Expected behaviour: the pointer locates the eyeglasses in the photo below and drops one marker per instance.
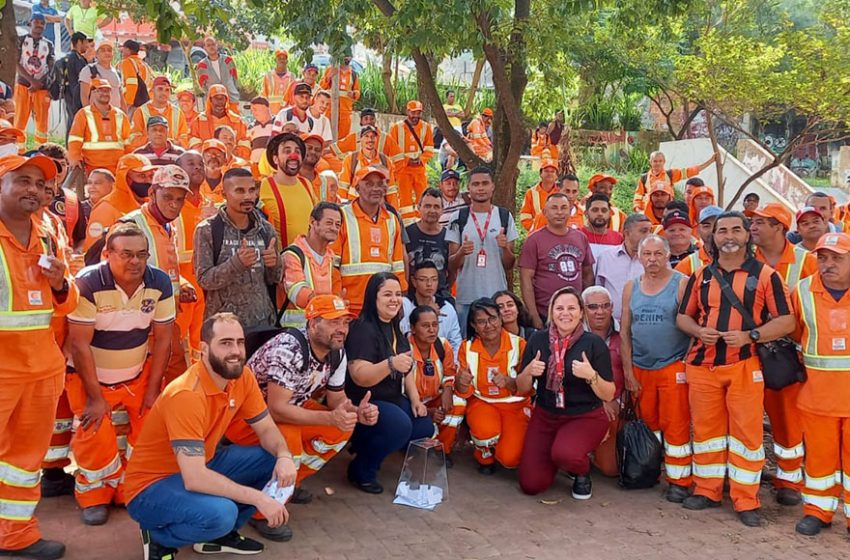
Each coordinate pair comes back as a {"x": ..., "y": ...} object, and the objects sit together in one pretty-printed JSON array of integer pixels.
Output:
[
  {"x": 487, "y": 321},
  {"x": 595, "y": 306},
  {"x": 429, "y": 368},
  {"x": 130, "y": 255}
]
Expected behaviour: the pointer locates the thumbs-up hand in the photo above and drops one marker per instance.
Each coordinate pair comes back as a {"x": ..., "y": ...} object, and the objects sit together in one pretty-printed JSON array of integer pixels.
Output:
[
  {"x": 464, "y": 379},
  {"x": 535, "y": 367},
  {"x": 468, "y": 246},
  {"x": 582, "y": 368},
  {"x": 502, "y": 239},
  {"x": 367, "y": 413},
  {"x": 246, "y": 255},
  {"x": 344, "y": 416},
  {"x": 270, "y": 255}
]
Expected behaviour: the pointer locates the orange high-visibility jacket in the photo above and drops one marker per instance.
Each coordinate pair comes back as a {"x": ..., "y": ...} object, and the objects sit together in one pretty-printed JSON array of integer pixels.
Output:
[
  {"x": 204, "y": 126},
  {"x": 349, "y": 82},
  {"x": 133, "y": 69},
  {"x": 302, "y": 282},
  {"x": 473, "y": 356},
  {"x": 408, "y": 146},
  {"x": 178, "y": 129},
  {"x": 669, "y": 177},
  {"x": 117, "y": 203},
  {"x": 99, "y": 140},
  {"x": 476, "y": 136},
  {"x": 275, "y": 87},
  {"x": 795, "y": 264},
  {"x": 387, "y": 145},
  {"x": 532, "y": 204},
  {"x": 162, "y": 244},
  {"x": 359, "y": 160}
]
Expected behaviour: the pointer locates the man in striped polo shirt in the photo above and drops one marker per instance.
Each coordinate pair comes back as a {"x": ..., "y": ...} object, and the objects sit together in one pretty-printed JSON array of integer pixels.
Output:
[{"x": 122, "y": 300}]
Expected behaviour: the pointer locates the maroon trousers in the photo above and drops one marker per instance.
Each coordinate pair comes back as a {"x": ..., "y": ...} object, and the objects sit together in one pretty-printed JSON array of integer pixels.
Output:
[{"x": 555, "y": 443}]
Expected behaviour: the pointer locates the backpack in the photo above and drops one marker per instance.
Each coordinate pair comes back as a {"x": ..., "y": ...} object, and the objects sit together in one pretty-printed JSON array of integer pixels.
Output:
[
  {"x": 59, "y": 80},
  {"x": 645, "y": 176},
  {"x": 441, "y": 350},
  {"x": 256, "y": 338},
  {"x": 95, "y": 73},
  {"x": 142, "y": 94},
  {"x": 463, "y": 218}
]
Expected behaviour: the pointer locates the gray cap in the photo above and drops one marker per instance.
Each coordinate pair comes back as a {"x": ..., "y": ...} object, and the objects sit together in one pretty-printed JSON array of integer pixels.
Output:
[{"x": 709, "y": 212}]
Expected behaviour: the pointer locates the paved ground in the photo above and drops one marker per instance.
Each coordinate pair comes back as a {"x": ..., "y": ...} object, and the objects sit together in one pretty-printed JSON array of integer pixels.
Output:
[{"x": 487, "y": 517}]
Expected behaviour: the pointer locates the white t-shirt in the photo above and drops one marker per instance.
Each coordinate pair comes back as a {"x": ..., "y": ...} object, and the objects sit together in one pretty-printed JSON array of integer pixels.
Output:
[{"x": 110, "y": 76}]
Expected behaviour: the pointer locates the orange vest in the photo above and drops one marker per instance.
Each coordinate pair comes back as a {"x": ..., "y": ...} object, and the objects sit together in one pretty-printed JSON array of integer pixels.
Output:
[
  {"x": 445, "y": 370},
  {"x": 532, "y": 204},
  {"x": 409, "y": 148},
  {"x": 348, "y": 82},
  {"x": 795, "y": 264},
  {"x": 162, "y": 243},
  {"x": 204, "y": 128},
  {"x": 473, "y": 356},
  {"x": 303, "y": 281},
  {"x": 99, "y": 141},
  {"x": 275, "y": 88},
  {"x": 358, "y": 160},
  {"x": 178, "y": 129},
  {"x": 476, "y": 134}
]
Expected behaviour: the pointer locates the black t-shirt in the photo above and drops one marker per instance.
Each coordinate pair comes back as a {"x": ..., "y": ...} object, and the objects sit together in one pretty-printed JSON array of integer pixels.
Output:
[
  {"x": 579, "y": 397},
  {"x": 374, "y": 343},
  {"x": 434, "y": 248}
]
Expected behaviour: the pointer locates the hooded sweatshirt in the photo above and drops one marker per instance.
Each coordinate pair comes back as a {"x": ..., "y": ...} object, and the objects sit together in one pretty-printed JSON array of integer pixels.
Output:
[
  {"x": 117, "y": 203},
  {"x": 203, "y": 128},
  {"x": 692, "y": 210},
  {"x": 228, "y": 285}
]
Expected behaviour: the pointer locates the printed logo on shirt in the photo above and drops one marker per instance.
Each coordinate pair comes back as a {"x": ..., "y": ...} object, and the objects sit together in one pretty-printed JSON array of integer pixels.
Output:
[
  {"x": 148, "y": 305},
  {"x": 681, "y": 378},
  {"x": 34, "y": 297},
  {"x": 757, "y": 376},
  {"x": 839, "y": 344},
  {"x": 567, "y": 263}
]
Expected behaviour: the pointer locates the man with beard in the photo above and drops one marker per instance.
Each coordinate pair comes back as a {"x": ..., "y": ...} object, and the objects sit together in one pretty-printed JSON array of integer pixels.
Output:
[
  {"x": 453, "y": 199},
  {"x": 415, "y": 139},
  {"x": 296, "y": 115},
  {"x": 285, "y": 197},
  {"x": 725, "y": 378},
  {"x": 317, "y": 171},
  {"x": 367, "y": 154},
  {"x": 217, "y": 113},
  {"x": 659, "y": 196},
  {"x": 597, "y": 229},
  {"x": 604, "y": 184},
  {"x": 535, "y": 197},
  {"x": 236, "y": 258},
  {"x": 180, "y": 485},
  {"x": 702, "y": 256},
  {"x": 215, "y": 154},
  {"x": 296, "y": 371}
]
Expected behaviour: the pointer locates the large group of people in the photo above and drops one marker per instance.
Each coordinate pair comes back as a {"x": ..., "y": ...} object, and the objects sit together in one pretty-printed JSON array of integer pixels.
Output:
[{"x": 228, "y": 307}]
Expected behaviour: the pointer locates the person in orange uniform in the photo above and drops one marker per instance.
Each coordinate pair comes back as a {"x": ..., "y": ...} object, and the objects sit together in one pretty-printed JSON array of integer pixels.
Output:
[
  {"x": 135, "y": 72},
  {"x": 434, "y": 376},
  {"x": 660, "y": 194},
  {"x": 387, "y": 145},
  {"x": 306, "y": 276},
  {"x": 98, "y": 136},
  {"x": 286, "y": 198},
  {"x": 315, "y": 169},
  {"x": 701, "y": 197},
  {"x": 604, "y": 184},
  {"x": 276, "y": 82},
  {"x": 159, "y": 105},
  {"x": 702, "y": 256},
  {"x": 214, "y": 153},
  {"x": 569, "y": 186},
  {"x": 35, "y": 286},
  {"x": 349, "y": 92},
  {"x": 822, "y": 307},
  {"x": 415, "y": 139},
  {"x": 217, "y": 113},
  {"x": 535, "y": 197},
  {"x": 132, "y": 183},
  {"x": 187, "y": 104},
  {"x": 477, "y": 137},
  {"x": 770, "y": 224},
  {"x": 367, "y": 154},
  {"x": 370, "y": 239},
  {"x": 658, "y": 174},
  {"x": 725, "y": 378},
  {"x": 122, "y": 302},
  {"x": 487, "y": 371},
  {"x": 541, "y": 147}
]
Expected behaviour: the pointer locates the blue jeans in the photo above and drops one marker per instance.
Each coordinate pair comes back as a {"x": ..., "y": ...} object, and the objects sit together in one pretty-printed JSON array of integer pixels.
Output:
[
  {"x": 396, "y": 428},
  {"x": 177, "y": 517},
  {"x": 462, "y": 314}
]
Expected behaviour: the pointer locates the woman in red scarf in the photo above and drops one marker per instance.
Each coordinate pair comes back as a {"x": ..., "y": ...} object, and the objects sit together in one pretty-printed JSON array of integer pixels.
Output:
[{"x": 571, "y": 369}]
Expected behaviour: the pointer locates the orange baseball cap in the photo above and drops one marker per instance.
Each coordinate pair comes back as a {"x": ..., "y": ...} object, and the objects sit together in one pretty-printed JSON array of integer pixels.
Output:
[
  {"x": 327, "y": 306},
  {"x": 213, "y": 144},
  {"x": 281, "y": 52},
  {"x": 702, "y": 190},
  {"x": 835, "y": 242},
  {"x": 7, "y": 128},
  {"x": 100, "y": 83},
  {"x": 661, "y": 186},
  {"x": 364, "y": 172},
  {"x": 13, "y": 162},
  {"x": 136, "y": 162},
  {"x": 185, "y": 93},
  {"x": 776, "y": 211},
  {"x": 487, "y": 112},
  {"x": 414, "y": 105},
  {"x": 598, "y": 178},
  {"x": 311, "y": 136},
  {"x": 551, "y": 163}
]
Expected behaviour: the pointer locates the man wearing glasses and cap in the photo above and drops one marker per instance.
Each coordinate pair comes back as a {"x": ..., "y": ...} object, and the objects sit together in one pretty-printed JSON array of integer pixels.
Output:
[{"x": 159, "y": 106}]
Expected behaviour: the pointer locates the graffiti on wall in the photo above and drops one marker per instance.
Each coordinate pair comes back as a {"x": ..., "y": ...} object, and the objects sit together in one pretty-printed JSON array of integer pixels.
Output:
[
  {"x": 727, "y": 136},
  {"x": 779, "y": 179}
]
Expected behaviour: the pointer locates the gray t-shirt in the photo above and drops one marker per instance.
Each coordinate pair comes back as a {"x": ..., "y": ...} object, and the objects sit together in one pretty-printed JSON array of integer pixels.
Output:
[
  {"x": 473, "y": 281},
  {"x": 110, "y": 76}
]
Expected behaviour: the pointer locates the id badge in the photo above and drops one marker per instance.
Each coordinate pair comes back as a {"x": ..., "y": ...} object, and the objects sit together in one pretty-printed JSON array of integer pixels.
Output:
[
  {"x": 481, "y": 260},
  {"x": 375, "y": 235},
  {"x": 493, "y": 391},
  {"x": 559, "y": 399}
]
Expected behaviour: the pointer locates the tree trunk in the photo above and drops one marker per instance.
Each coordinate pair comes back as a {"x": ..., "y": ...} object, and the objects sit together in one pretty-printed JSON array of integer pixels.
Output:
[
  {"x": 565, "y": 152},
  {"x": 473, "y": 88},
  {"x": 718, "y": 159},
  {"x": 8, "y": 44},
  {"x": 335, "y": 102},
  {"x": 387, "y": 77}
]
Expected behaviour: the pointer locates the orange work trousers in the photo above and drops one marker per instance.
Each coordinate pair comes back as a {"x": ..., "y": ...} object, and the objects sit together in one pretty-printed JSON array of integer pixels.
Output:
[
  {"x": 447, "y": 429},
  {"x": 36, "y": 103},
  {"x": 26, "y": 424},
  {"x": 827, "y": 463},
  {"x": 787, "y": 430},
  {"x": 663, "y": 405},
  {"x": 190, "y": 317},
  {"x": 178, "y": 363},
  {"x": 60, "y": 442},
  {"x": 101, "y": 464},
  {"x": 727, "y": 411},
  {"x": 344, "y": 125},
  {"x": 412, "y": 182},
  {"x": 311, "y": 446},
  {"x": 498, "y": 430}
]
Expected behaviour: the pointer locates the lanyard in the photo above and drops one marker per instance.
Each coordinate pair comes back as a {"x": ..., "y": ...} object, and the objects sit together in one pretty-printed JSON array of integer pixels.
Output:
[
  {"x": 481, "y": 233},
  {"x": 560, "y": 353}
]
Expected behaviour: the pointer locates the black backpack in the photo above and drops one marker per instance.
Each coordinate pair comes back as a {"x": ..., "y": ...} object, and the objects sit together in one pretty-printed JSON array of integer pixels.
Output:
[
  {"x": 142, "y": 94},
  {"x": 645, "y": 176},
  {"x": 59, "y": 80},
  {"x": 463, "y": 218},
  {"x": 256, "y": 338}
]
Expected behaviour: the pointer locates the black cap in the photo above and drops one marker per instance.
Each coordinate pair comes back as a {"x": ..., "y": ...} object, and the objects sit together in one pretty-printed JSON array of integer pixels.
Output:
[
  {"x": 368, "y": 128},
  {"x": 134, "y": 46},
  {"x": 449, "y": 174},
  {"x": 302, "y": 87},
  {"x": 368, "y": 111},
  {"x": 676, "y": 217},
  {"x": 157, "y": 120}
]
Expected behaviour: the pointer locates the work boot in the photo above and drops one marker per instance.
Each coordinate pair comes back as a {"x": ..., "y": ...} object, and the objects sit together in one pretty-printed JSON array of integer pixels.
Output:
[
  {"x": 155, "y": 551},
  {"x": 56, "y": 482},
  {"x": 788, "y": 497},
  {"x": 582, "y": 487},
  {"x": 750, "y": 518},
  {"x": 95, "y": 515},
  {"x": 39, "y": 550},
  {"x": 276, "y": 534},
  {"x": 677, "y": 494},
  {"x": 699, "y": 503},
  {"x": 487, "y": 470},
  {"x": 449, "y": 462},
  {"x": 301, "y": 496},
  {"x": 232, "y": 543},
  {"x": 811, "y": 526}
]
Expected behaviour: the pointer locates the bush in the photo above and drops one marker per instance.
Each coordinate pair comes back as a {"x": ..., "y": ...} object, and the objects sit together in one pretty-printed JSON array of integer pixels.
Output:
[{"x": 252, "y": 65}]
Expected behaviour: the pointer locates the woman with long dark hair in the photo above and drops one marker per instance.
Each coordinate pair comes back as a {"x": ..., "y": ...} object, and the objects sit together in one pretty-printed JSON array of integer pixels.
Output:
[
  {"x": 379, "y": 359},
  {"x": 515, "y": 317}
]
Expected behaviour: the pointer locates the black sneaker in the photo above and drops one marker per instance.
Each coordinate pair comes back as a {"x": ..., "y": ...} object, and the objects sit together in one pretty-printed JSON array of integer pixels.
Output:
[
  {"x": 788, "y": 497},
  {"x": 56, "y": 482},
  {"x": 750, "y": 518},
  {"x": 811, "y": 526},
  {"x": 95, "y": 515},
  {"x": 277, "y": 534},
  {"x": 487, "y": 470},
  {"x": 582, "y": 487},
  {"x": 301, "y": 496},
  {"x": 155, "y": 551},
  {"x": 698, "y": 503},
  {"x": 449, "y": 462},
  {"x": 232, "y": 543},
  {"x": 39, "y": 550},
  {"x": 677, "y": 494}
]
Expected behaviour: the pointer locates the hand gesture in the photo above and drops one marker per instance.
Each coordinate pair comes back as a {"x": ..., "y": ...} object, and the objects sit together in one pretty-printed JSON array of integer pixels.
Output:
[
  {"x": 535, "y": 367},
  {"x": 270, "y": 256},
  {"x": 612, "y": 410},
  {"x": 285, "y": 471},
  {"x": 419, "y": 409},
  {"x": 438, "y": 415},
  {"x": 709, "y": 336},
  {"x": 344, "y": 416},
  {"x": 502, "y": 239},
  {"x": 736, "y": 339},
  {"x": 632, "y": 384},
  {"x": 582, "y": 368},
  {"x": 499, "y": 380},
  {"x": 403, "y": 363},
  {"x": 55, "y": 274},
  {"x": 367, "y": 413},
  {"x": 467, "y": 247},
  {"x": 95, "y": 411},
  {"x": 246, "y": 255},
  {"x": 188, "y": 293},
  {"x": 274, "y": 512},
  {"x": 464, "y": 379}
]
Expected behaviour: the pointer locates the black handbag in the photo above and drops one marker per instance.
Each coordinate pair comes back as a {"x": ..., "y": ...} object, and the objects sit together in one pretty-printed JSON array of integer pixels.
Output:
[
  {"x": 639, "y": 453},
  {"x": 780, "y": 361}
]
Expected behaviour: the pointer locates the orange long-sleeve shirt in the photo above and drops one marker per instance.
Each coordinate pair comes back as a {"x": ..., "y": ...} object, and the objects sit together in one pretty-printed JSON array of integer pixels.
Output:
[
  {"x": 178, "y": 128},
  {"x": 99, "y": 140}
]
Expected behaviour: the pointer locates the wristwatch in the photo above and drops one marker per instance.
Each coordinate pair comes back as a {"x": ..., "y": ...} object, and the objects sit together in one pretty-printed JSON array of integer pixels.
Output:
[{"x": 755, "y": 335}]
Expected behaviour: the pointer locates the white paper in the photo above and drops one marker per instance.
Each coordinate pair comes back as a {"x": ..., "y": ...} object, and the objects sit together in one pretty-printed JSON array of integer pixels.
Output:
[
  {"x": 43, "y": 261},
  {"x": 282, "y": 495},
  {"x": 425, "y": 497}
]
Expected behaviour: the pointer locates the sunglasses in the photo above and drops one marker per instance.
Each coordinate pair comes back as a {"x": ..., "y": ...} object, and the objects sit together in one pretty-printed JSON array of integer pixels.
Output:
[{"x": 595, "y": 306}]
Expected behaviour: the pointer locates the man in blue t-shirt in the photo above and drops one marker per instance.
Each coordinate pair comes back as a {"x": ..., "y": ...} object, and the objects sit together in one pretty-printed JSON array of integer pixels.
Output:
[{"x": 51, "y": 16}]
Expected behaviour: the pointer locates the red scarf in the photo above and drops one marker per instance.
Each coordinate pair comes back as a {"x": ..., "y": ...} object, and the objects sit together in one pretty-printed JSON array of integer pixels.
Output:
[{"x": 558, "y": 348}]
